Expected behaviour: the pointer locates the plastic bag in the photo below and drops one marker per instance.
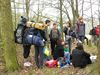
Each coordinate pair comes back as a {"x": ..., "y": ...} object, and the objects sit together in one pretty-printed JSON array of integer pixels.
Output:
[{"x": 47, "y": 51}]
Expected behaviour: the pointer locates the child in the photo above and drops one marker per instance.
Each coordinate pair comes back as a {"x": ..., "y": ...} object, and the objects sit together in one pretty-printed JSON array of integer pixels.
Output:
[
  {"x": 59, "y": 50},
  {"x": 67, "y": 55}
]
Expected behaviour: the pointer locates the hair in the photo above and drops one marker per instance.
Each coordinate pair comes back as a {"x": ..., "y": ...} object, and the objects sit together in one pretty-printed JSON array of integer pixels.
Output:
[
  {"x": 47, "y": 21},
  {"x": 59, "y": 42},
  {"x": 69, "y": 24},
  {"x": 54, "y": 24},
  {"x": 80, "y": 18},
  {"x": 79, "y": 46}
]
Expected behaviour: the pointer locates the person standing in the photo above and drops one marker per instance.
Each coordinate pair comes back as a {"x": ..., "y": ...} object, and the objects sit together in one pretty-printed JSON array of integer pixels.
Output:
[
  {"x": 54, "y": 36},
  {"x": 39, "y": 54},
  {"x": 80, "y": 29},
  {"x": 68, "y": 39}
]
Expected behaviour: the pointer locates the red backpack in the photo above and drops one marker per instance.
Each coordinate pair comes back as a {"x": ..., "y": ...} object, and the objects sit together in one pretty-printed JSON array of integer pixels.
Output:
[{"x": 97, "y": 31}]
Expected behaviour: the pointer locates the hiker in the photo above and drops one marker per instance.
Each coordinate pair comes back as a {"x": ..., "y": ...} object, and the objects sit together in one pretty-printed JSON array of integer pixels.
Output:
[
  {"x": 93, "y": 34},
  {"x": 79, "y": 57},
  {"x": 59, "y": 49},
  {"x": 36, "y": 37},
  {"x": 68, "y": 38},
  {"x": 54, "y": 36},
  {"x": 26, "y": 47},
  {"x": 80, "y": 29},
  {"x": 39, "y": 55}
]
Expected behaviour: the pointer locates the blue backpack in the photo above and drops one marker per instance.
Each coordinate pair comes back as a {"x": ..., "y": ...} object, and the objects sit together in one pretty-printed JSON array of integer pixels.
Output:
[{"x": 32, "y": 36}]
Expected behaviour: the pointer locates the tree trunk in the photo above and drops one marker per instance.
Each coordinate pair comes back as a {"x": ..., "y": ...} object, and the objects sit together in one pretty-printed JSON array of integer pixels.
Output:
[
  {"x": 61, "y": 20},
  {"x": 73, "y": 11},
  {"x": 15, "y": 14},
  {"x": 98, "y": 57},
  {"x": 6, "y": 27},
  {"x": 99, "y": 12},
  {"x": 82, "y": 7},
  {"x": 91, "y": 13},
  {"x": 67, "y": 14},
  {"x": 77, "y": 11},
  {"x": 27, "y": 8},
  {"x": 38, "y": 15}
]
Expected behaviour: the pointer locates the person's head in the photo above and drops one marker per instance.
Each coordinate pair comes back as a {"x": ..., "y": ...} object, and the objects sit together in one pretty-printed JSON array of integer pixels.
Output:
[
  {"x": 79, "y": 46},
  {"x": 23, "y": 19},
  {"x": 66, "y": 45},
  {"x": 68, "y": 24},
  {"x": 55, "y": 26},
  {"x": 47, "y": 22},
  {"x": 80, "y": 19},
  {"x": 60, "y": 42}
]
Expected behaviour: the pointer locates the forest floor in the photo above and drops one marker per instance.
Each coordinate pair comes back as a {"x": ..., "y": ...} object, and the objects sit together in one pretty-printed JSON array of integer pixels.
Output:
[{"x": 89, "y": 70}]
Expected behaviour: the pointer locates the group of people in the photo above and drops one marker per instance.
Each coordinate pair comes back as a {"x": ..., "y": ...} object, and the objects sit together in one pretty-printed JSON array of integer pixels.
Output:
[{"x": 59, "y": 48}]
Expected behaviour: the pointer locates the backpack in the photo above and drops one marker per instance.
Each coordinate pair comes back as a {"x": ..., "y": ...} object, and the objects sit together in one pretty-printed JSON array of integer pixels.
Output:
[
  {"x": 97, "y": 31},
  {"x": 53, "y": 36},
  {"x": 32, "y": 36},
  {"x": 18, "y": 33}
]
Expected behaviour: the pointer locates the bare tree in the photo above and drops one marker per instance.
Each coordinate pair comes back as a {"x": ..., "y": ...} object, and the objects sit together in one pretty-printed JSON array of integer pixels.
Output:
[
  {"x": 61, "y": 18},
  {"x": 27, "y": 2},
  {"x": 91, "y": 13},
  {"x": 82, "y": 7},
  {"x": 99, "y": 11},
  {"x": 6, "y": 28}
]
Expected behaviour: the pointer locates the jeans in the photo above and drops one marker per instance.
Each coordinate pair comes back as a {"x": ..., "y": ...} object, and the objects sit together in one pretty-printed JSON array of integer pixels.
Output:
[
  {"x": 81, "y": 38},
  {"x": 26, "y": 50},
  {"x": 67, "y": 57},
  {"x": 53, "y": 45},
  {"x": 39, "y": 56}
]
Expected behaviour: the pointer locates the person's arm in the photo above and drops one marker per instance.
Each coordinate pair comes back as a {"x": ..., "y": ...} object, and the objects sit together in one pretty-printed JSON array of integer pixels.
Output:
[
  {"x": 43, "y": 34},
  {"x": 50, "y": 35}
]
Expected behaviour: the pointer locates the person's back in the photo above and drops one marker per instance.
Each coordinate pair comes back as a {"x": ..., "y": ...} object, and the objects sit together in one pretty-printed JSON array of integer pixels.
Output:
[
  {"x": 80, "y": 58},
  {"x": 59, "y": 50}
]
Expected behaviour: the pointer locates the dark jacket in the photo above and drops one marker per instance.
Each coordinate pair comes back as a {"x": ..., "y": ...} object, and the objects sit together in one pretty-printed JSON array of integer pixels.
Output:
[
  {"x": 59, "y": 50},
  {"x": 80, "y": 58},
  {"x": 67, "y": 31},
  {"x": 33, "y": 31}
]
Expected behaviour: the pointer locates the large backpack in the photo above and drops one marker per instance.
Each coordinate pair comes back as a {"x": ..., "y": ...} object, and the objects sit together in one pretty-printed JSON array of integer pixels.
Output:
[
  {"x": 19, "y": 32},
  {"x": 32, "y": 36}
]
